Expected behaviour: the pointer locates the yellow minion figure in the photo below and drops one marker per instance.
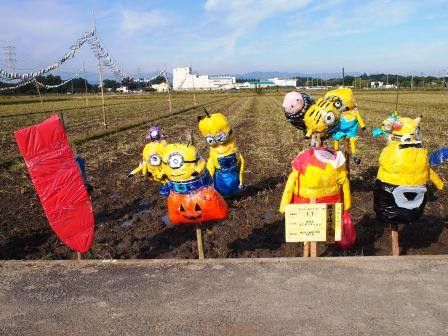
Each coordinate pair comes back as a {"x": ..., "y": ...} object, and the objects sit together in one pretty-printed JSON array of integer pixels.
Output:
[
  {"x": 323, "y": 116},
  {"x": 192, "y": 198},
  {"x": 151, "y": 164},
  {"x": 400, "y": 188},
  {"x": 225, "y": 164},
  {"x": 319, "y": 174},
  {"x": 350, "y": 120}
]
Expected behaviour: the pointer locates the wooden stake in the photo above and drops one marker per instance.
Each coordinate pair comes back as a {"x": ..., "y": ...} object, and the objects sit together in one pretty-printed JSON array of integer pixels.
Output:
[
  {"x": 200, "y": 240},
  {"x": 310, "y": 248},
  {"x": 394, "y": 238},
  {"x": 313, "y": 251},
  {"x": 100, "y": 70},
  {"x": 347, "y": 150},
  {"x": 306, "y": 249},
  {"x": 78, "y": 256}
]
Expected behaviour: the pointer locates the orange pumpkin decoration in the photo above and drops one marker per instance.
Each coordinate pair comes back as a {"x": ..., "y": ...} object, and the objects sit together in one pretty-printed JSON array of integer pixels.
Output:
[{"x": 200, "y": 206}]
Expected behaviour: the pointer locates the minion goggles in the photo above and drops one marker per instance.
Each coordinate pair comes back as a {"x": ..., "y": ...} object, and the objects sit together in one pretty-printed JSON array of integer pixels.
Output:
[
  {"x": 219, "y": 138},
  {"x": 176, "y": 160}
]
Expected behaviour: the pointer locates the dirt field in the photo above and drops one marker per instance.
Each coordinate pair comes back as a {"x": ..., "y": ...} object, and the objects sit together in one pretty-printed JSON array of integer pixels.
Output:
[{"x": 129, "y": 213}]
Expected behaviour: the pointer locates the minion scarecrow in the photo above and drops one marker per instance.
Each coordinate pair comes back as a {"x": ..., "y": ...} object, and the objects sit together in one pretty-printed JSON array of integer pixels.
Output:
[
  {"x": 192, "y": 198},
  {"x": 335, "y": 115},
  {"x": 319, "y": 175},
  {"x": 400, "y": 188},
  {"x": 225, "y": 163},
  {"x": 151, "y": 164},
  {"x": 295, "y": 105}
]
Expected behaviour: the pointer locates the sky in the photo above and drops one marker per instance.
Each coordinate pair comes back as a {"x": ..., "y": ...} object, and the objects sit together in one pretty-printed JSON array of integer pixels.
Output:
[{"x": 233, "y": 36}]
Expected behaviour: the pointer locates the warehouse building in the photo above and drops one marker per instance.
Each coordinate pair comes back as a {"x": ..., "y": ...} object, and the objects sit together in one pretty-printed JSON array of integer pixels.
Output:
[{"x": 184, "y": 79}]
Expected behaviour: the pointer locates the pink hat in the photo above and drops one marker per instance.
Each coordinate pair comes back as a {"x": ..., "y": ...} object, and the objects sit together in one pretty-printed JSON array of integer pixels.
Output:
[{"x": 293, "y": 102}]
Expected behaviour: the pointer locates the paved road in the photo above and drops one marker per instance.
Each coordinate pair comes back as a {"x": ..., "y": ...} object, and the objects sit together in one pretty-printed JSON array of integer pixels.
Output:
[{"x": 339, "y": 296}]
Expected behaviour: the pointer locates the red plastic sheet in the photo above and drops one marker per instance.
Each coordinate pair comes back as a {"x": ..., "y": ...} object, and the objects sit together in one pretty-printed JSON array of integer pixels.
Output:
[{"x": 58, "y": 182}]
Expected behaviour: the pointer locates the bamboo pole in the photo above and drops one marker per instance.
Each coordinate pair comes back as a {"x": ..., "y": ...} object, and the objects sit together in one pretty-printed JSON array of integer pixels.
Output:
[
  {"x": 40, "y": 96},
  {"x": 100, "y": 70},
  {"x": 85, "y": 85},
  {"x": 169, "y": 94}
]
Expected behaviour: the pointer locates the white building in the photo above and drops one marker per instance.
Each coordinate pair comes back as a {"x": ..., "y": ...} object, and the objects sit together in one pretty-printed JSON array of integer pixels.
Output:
[
  {"x": 123, "y": 89},
  {"x": 376, "y": 84},
  {"x": 184, "y": 79},
  {"x": 283, "y": 82},
  {"x": 162, "y": 87}
]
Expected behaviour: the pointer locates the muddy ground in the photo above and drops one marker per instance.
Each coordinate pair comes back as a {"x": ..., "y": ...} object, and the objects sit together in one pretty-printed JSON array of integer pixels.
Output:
[{"x": 129, "y": 214}]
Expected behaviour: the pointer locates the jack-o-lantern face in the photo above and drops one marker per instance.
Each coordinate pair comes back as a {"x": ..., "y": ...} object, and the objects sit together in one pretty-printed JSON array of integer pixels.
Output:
[
  {"x": 201, "y": 206},
  {"x": 194, "y": 214}
]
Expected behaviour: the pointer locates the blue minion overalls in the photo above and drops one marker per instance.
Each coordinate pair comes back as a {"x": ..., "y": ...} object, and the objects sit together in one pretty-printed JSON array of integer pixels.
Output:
[{"x": 227, "y": 177}]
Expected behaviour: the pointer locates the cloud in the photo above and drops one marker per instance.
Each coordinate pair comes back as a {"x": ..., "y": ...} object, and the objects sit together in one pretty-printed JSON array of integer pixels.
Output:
[
  {"x": 243, "y": 16},
  {"x": 133, "y": 21}
]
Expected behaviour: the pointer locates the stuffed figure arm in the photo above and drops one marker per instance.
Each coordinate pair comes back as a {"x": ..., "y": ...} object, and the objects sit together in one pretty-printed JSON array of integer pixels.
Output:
[
  {"x": 136, "y": 170},
  {"x": 345, "y": 183},
  {"x": 242, "y": 167},
  {"x": 360, "y": 121},
  {"x": 211, "y": 165},
  {"x": 435, "y": 179},
  {"x": 290, "y": 188}
]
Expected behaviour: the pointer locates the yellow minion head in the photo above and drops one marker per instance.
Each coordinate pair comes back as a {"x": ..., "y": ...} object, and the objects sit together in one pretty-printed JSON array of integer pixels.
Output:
[
  {"x": 406, "y": 129},
  {"x": 323, "y": 115},
  {"x": 182, "y": 162},
  {"x": 152, "y": 159},
  {"x": 215, "y": 129},
  {"x": 345, "y": 95}
]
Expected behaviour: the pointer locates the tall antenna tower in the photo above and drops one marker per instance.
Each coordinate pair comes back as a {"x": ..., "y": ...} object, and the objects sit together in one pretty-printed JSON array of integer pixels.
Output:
[{"x": 9, "y": 55}]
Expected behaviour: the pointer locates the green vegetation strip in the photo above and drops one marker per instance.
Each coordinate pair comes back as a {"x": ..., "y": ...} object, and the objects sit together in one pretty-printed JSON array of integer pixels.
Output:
[{"x": 6, "y": 163}]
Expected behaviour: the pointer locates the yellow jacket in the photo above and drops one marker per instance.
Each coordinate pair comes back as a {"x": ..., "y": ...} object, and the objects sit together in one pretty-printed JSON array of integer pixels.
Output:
[
  {"x": 313, "y": 178},
  {"x": 406, "y": 166}
]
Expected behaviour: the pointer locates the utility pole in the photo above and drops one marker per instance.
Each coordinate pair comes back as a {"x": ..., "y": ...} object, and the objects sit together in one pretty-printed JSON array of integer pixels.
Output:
[
  {"x": 100, "y": 69},
  {"x": 343, "y": 77},
  {"x": 412, "y": 81}
]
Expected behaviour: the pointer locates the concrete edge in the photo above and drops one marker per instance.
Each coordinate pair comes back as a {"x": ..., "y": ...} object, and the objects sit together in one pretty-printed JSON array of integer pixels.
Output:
[{"x": 227, "y": 261}]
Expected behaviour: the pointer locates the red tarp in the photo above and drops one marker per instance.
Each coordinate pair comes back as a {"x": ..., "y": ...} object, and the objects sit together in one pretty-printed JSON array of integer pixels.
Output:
[{"x": 58, "y": 182}]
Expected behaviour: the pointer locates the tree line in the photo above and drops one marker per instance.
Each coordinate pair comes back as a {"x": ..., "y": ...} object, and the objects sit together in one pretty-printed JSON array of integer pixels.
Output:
[
  {"x": 365, "y": 80},
  {"x": 78, "y": 85}
]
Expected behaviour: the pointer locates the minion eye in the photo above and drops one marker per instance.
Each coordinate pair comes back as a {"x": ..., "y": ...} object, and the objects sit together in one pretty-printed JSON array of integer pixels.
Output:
[
  {"x": 417, "y": 134},
  {"x": 221, "y": 137},
  {"x": 210, "y": 140},
  {"x": 155, "y": 160},
  {"x": 175, "y": 161},
  {"x": 338, "y": 104},
  {"x": 329, "y": 118}
]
